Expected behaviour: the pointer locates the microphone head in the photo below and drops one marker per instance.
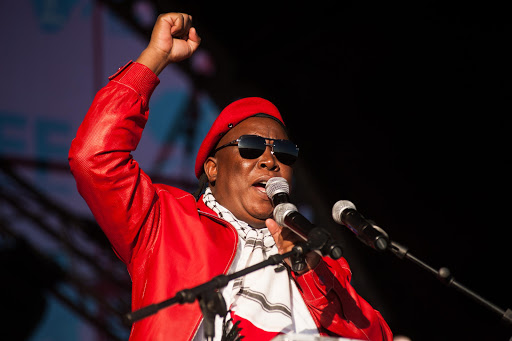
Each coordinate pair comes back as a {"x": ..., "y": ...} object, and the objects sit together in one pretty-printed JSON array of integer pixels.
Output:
[
  {"x": 282, "y": 210},
  {"x": 276, "y": 185},
  {"x": 339, "y": 207}
]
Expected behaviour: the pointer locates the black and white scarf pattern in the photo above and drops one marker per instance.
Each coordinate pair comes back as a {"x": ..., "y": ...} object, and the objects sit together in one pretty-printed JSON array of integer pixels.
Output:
[{"x": 269, "y": 299}]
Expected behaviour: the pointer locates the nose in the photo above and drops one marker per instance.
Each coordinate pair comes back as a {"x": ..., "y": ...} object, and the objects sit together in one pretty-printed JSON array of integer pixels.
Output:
[{"x": 268, "y": 160}]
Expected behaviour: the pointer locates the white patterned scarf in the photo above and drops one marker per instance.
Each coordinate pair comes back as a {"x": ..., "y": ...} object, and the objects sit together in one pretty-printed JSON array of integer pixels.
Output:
[{"x": 269, "y": 299}]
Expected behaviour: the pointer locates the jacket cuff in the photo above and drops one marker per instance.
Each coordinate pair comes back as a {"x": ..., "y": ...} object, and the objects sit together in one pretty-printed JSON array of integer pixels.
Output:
[
  {"x": 138, "y": 77},
  {"x": 316, "y": 283}
]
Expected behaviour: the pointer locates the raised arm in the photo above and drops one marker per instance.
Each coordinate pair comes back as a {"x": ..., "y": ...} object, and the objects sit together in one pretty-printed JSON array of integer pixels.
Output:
[{"x": 120, "y": 195}]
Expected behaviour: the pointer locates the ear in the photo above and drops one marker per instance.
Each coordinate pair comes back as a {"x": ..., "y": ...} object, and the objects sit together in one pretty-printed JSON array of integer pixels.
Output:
[{"x": 210, "y": 169}]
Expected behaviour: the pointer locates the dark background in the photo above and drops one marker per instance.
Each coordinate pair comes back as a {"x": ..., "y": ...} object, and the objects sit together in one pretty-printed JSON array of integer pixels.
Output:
[{"x": 402, "y": 109}]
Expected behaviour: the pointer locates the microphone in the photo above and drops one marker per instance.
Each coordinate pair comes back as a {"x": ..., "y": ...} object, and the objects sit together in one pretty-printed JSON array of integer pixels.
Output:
[
  {"x": 277, "y": 190},
  {"x": 287, "y": 214},
  {"x": 344, "y": 213}
]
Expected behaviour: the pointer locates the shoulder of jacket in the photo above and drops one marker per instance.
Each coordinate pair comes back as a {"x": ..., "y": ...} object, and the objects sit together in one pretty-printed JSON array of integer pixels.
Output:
[{"x": 177, "y": 193}]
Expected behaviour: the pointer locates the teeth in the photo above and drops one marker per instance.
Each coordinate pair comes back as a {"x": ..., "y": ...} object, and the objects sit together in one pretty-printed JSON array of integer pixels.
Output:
[{"x": 261, "y": 184}]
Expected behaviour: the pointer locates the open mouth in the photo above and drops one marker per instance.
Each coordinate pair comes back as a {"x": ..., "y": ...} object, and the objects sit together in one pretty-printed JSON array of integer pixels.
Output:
[{"x": 260, "y": 185}]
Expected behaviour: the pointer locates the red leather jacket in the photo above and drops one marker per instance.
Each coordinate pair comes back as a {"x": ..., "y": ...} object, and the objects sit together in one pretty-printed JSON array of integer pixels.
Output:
[{"x": 168, "y": 240}]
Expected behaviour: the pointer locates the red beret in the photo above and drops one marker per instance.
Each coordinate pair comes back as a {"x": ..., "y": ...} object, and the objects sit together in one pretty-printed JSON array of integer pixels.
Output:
[{"x": 233, "y": 114}]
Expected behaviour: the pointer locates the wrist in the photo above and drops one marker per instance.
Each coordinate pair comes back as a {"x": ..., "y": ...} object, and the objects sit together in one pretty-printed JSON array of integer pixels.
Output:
[{"x": 153, "y": 59}]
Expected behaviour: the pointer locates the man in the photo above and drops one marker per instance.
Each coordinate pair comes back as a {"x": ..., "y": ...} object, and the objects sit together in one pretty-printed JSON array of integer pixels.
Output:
[{"x": 170, "y": 241}]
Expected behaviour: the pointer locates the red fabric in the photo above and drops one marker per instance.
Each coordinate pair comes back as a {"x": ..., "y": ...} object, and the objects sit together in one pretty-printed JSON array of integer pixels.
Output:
[
  {"x": 335, "y": 305},
  {"x": 155, "y": 229},
  {"x": 250, "y": 332},
  {"x": 166, "y": 238},
  {"x": 233, "y": 114}
]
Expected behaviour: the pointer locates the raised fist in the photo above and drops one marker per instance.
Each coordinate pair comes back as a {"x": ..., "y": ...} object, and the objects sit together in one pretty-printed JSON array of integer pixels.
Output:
[{"x": 173, "y": 39}]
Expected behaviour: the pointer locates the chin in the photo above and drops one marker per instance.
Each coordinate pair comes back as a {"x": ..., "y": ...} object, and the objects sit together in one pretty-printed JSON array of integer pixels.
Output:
[
  {"x": 259, "y": 219},
  {"x": 258, "y": 226}
]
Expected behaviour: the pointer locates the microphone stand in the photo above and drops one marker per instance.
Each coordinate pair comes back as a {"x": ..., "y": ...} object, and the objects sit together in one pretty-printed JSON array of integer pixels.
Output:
[
  {"x": 210, "y": 299},
  {"x": 444, "y": 275}
]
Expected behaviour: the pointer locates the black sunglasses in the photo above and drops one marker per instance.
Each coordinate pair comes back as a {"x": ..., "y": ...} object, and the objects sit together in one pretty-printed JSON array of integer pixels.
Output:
[{"x": 253, "y": 146}]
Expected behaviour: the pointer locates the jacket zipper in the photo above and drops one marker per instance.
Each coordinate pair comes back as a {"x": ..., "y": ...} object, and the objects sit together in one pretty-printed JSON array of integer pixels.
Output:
[{"x": 228, "y": 225}]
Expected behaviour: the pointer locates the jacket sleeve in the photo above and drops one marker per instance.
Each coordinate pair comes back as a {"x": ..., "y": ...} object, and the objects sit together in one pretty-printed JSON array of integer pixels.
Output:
[
  {"x": 337, "y": 307},
  {"x": 119, "y": 194}
]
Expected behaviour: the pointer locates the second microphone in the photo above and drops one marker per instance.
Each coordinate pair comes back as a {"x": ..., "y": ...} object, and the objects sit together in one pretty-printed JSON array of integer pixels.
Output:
[{"x": 287, "y": 214}]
